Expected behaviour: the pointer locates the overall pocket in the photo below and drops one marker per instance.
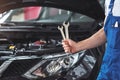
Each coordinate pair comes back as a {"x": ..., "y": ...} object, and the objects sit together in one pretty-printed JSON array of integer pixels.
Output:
[{"x": 113, "y": 34}]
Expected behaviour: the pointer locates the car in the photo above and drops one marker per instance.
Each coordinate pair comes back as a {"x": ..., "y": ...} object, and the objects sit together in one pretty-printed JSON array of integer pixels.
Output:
[{"x": 30, "y": 40}]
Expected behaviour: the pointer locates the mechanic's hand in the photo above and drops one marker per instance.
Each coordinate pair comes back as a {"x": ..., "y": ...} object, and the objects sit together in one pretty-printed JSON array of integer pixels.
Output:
[{"x": 69, "y": 46}]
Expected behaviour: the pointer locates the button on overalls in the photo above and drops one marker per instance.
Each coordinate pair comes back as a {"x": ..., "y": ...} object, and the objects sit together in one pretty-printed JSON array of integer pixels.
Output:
[{"x": 110, "y": 69}]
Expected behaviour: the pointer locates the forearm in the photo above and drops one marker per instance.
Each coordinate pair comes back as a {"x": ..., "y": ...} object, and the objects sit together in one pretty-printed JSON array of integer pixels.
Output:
[{"x": 95, "y": 40}]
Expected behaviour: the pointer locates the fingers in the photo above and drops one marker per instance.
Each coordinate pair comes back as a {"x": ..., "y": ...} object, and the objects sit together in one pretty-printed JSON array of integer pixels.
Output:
[{"x": 66, "y": 46}]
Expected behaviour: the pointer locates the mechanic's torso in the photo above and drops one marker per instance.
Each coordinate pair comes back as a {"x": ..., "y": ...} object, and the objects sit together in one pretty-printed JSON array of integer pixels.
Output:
[{"x": 110, "y": 69}]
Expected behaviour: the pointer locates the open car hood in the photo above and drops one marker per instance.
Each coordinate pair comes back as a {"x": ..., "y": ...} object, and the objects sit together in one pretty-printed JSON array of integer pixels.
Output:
[
  {"x": 37, "y": 30},
  {"x": 90, "y": 8}
]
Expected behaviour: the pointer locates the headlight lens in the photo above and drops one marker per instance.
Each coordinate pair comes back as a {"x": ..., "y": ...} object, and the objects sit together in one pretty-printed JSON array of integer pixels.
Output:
[{"x": 54, "y": 65}]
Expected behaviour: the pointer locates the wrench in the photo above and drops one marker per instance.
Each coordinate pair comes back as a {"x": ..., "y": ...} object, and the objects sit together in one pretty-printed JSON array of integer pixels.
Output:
[
  {"x": 61, "y": 30},
  {"x": 66, "y": 29}
]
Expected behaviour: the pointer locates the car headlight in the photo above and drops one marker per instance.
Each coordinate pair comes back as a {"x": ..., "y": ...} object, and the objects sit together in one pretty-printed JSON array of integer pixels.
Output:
[{"x": 54, "y": 65}]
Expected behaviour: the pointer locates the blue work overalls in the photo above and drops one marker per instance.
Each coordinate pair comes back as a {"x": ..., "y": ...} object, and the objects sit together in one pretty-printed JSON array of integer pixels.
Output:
[{"x": 110, "y": 69}]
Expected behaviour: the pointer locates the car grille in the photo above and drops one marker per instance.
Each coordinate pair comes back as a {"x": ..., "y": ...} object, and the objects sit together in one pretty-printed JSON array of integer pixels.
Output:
[{"x": 18, "y": 67}]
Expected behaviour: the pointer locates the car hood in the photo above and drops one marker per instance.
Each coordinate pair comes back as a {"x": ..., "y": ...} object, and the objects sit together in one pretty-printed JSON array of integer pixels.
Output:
[{"x": 91, "y": 8}]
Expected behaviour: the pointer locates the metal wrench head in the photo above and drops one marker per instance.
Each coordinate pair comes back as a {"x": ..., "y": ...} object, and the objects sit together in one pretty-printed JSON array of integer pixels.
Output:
[
  {"x": 66, "y": 25},
  {"x": 60, "y": 28}
]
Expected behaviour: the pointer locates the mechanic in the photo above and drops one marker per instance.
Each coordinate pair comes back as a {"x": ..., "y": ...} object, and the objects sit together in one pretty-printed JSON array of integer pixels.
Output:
[{"x": 110, "y": 68}]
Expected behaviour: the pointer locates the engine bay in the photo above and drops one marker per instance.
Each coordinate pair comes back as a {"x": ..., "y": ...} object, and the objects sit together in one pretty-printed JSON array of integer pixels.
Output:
[
  {"x": 36, "y": 52},
  {"x": 43, "y": 60}
]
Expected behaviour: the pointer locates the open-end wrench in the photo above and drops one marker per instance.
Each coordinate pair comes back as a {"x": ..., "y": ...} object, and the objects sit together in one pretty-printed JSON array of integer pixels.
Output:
[
  {"x": 61, "y": 30},
  {"x": 66, "y": 29}
]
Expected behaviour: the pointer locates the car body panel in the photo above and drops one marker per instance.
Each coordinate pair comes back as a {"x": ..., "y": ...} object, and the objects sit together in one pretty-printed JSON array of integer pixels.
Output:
[{"x": 90, "y": 8}]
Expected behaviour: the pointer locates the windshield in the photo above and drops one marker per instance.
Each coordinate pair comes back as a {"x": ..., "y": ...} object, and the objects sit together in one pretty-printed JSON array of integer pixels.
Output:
[{"x": 44, "y": 14}]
